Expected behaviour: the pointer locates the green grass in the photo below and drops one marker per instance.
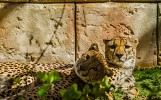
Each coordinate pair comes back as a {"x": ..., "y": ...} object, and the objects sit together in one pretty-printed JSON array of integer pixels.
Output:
[{"x": 148, "y": 81}]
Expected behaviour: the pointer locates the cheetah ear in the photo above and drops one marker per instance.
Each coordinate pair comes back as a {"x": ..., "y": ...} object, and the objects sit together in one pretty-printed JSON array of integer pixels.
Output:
[
  {"x": 94, "y": 46},
  {"x": 106, "y": 40}
]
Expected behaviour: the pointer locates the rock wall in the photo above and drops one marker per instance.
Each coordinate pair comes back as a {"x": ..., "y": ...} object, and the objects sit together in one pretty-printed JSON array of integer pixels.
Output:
[
  {"x": 82, "y": 1},
  {"x": 159, "y": 34},
  {"x": 98, "y": 21},
  {"x": 37, "y": 32}
]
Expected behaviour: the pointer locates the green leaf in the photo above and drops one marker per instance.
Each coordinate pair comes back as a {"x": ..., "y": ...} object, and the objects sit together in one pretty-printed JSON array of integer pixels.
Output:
[
  {"x": 106, "y": 83},
  {"x": 83, "y": 98},
  {"x": 86, "y": 89},
  {"x": 17, "y": 80},
  {"x": 43, "y": 89},
  {"x": 96, "y": 84},
  {"x": 95, "y": 90},
  {"x": 42, "y": 76},
  {"x": 72, "y": 93},
  {"x": 54, "y": 77},
  {"x": 62, "y": 92}
]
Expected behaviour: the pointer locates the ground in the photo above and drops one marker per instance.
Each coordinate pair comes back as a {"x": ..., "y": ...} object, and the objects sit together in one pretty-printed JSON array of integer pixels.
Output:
[{"x": 148, "y": 81}]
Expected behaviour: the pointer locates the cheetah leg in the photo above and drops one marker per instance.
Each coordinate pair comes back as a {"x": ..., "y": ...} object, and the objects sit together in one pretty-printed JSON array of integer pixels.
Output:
[
  {"x": 132, "y": 91},
  {"x": 128, "y": 87}
]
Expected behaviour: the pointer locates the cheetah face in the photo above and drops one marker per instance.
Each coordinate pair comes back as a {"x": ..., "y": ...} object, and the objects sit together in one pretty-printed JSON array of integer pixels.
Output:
[
  {"x": 91, "y": 66},
  {"x": 120, "y": 50}
]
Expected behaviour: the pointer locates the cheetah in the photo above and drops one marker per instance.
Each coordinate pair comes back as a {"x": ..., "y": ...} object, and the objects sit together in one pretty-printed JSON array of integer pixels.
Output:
[{"x": 93, "y": 69}]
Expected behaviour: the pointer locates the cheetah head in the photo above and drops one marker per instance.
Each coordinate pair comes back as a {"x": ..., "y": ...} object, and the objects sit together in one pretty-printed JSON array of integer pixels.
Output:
[
  {"x": 92, "y": 66},
  {"x": 121, "y": 51}
]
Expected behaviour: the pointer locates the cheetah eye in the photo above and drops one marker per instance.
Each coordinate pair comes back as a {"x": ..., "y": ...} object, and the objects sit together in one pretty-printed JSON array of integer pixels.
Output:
[
  {"x": 112, "y": 46},
  {"x": 95, "y": 69},
  {"x": 127, "y": 46},
  {"x": 87, "y": 57}
]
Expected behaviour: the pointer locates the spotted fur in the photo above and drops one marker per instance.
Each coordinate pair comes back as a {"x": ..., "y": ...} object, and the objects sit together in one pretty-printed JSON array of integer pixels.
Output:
[
  {"x": 95, "y": 63},
  {"x": 120, "y": 53},
  {"x": 91, "y": 64}
]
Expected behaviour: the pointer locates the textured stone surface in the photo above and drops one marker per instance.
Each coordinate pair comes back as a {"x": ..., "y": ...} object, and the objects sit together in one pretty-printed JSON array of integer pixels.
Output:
[
  {"x": 69, "y": 0},
  {"x": 136, "y": 0},
  {"x": 37, "y": 32},
  {"x": 14, "y": 0},
  {"x": 159, "y": 35},
  {"x": 79, "y": 0},
  {"x": 98, "y": 21}
]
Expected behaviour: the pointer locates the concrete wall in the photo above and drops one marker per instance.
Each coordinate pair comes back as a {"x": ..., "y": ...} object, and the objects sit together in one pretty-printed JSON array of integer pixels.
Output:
[
  {"x": 159, "y": 34},
  {"x": 82, "y": 1},
  {"x": 37, "y": 32},
  {"x": 101, "y": 20}
]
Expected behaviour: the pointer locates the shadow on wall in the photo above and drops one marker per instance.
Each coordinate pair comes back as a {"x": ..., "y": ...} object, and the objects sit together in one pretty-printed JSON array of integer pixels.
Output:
[
  {"x": 13, "y": 8},
  {"x": 147, "y": 48},
  {"x": 42, "y": 51},
  {"x": 10, "y": 7},
  {"x": 159, "y": 38},
  {"x": 145, "y": 56},
  {"x": 59, "y": 23}
]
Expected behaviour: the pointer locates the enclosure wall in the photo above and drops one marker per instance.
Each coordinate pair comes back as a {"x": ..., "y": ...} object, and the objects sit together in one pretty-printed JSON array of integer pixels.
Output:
[{"x": 48, "y": 31}]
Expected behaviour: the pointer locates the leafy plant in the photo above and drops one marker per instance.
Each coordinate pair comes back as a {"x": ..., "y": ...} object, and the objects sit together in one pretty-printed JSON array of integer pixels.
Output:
[
  {"x": 116, "y": 94},
  {"x": 97, "y": 90},
  {"x": 48, "y": 79},
  {"x": 72, "y": 93},
  {"x": 148, "y": 82},
  {"x": 17, "y": 80}
]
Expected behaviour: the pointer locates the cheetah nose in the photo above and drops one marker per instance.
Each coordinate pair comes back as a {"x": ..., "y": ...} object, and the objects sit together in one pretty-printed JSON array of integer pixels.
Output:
[{"x": 119, "y": 55}]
